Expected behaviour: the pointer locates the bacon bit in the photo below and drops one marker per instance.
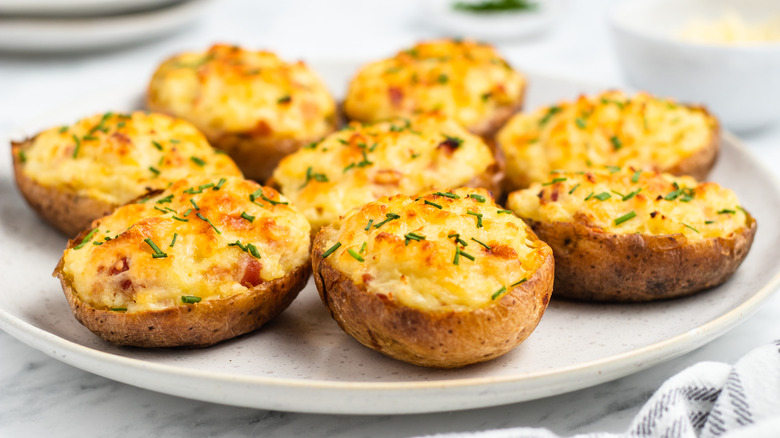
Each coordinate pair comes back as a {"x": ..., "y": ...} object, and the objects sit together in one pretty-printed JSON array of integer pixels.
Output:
[
  {"x": 121, "y": 137},
  {"x": 590, "y": 177},
  {"x": 367, "y": 277},
  {"x": 554, "y": 195},
  {"x": 502, "y": 251},
  {"x": 262, "y": 129},
  {"x": 388, "y": 177},
  {"x": 252, "y": 268},
  {"x": 126, "y": 285},
  {"x": 119, "y": 267},
  {"x": 310, "y": 110},
  {"x": 449, "y": 145},
  {"x": 236, "y": 223},
  {"x": 396, "y": 96}
]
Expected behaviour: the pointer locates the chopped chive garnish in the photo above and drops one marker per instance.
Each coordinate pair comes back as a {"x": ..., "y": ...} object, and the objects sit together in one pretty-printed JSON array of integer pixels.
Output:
[
  {"x": 370, "y": 221},
  {"x": 432, "y": 204},
  {"x": 625, "y": 217},
  {"x": 238, "y": 244},
  {"x": 350, "y": 166},
  {"x": 160, "y": 209},
  {"x": 165, "y": 200},
  {"x": 187, "y": 213},
  {"x": 157, "y": 251},
  {"x": 179, "y": 219},
  {"x": 271, "y": 201},
  {"x": 727, "y": 211},
  {"x": 447, "y": 195},
  {"x": 342, "y": 141},
  {"x": 253, "y": 250},
  {"x": 194, "y": 204},
  {"x": 247, "y": 216},
  {"x": 590, "y": 195},
  {"x": 173, "y": 241},
  {"x": 219, "y": 185},
  {"x": 355, "y": 255},
  {"x": 86, "y": 239},
  {"x": 119, "y": 309},
  {"x": 90, "y": 138},
  {"x": 97, "y": 243},
  {"x": 209, "y": 222},
  {"x": 580, "y": 123},
  {"x": 574, "y": 188},
  {"x": 613, "y": 169},
  {"x": 174, "y": 140},
  {"x": 284, "y": 99},
  {"x": 154, "y": 170},
  {"x": 465, "y": 254},
  {"x": 197, "y": 161},
  {"x": 481, "y": 243},
  {"x": 443, "y": 79},
  {"x": 709, "y": 222},
  {"x": 498, "y": 292},
  {"x": 320, "y": 177},
  {"x": 363, "y": 247},
  {"x": 190, "y": 299},
  {"x": 78, "y": 146},
  {"x": 63, "y": 129},
  {"x": 388, "y": 217},
  {"x": 458, "y": 240},
  {"x": 478, "y": 198},
  {"x": 456, "y": 260},
  {"x": 635, "y": 178},
  {"x": 331, "y": 249},
  {"x": 157, "y": 145},
  {"x": 412, "y": 236},
  {"x": 519, "y": 282},
  {"x": 603, "y": 196},
  {"x": 739, "y": 207},
  {"x": 22, "y": 157},
  {"x": 550, "y": 112},
  {"x": 555, "y": 180},
  {"x": 616, "y": 142},
  {"x": 478, "y": 215},
  {"x": 205, "y": 186},
  {"x": 631, "y": 195},
  {"x": 499, "y": 211},
  {"x": 688, "y": 226},
  {"x": 451, "y": 142}
]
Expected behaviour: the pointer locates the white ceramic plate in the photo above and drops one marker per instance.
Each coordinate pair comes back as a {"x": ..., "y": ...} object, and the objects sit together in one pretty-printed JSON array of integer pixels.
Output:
[
  {"x": 76, "y": 7},
  {"x": 71, "y": 34},
  {"x": 303, "y": 362}
]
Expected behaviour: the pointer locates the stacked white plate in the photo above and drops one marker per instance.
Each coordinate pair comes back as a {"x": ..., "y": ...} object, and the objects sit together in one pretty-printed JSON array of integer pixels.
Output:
[{"x": 78, "y": 25}]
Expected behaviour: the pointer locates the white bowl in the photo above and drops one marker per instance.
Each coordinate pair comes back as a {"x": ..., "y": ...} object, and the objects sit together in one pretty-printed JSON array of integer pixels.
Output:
[{"x": 740, "y": 84}]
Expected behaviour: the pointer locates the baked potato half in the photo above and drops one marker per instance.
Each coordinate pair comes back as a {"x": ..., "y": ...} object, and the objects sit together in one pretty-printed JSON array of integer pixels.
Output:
[
  {"x": 628, "y": 235},
  {"x": 362, "y": 163},
  {"x": 251, "y": 104},
  {"x": 205, "y": 260},
  {"x": 72, "y": 175},
  {"x": 443, "y": 279},
  {"x": 463, "y": 79},
  {"x": 609, "y": 129}
]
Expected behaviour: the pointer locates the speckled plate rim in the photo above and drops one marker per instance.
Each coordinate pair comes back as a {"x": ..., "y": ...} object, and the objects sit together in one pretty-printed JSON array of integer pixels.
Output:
[{"x": 319, "y": 396}]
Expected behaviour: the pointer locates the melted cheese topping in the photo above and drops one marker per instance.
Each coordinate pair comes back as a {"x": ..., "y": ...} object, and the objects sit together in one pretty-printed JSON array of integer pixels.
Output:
[
  {"x": 362, "y": 163},
  {"x": 629, "y": 201},
  {"x": 231, "y": 90},
  {"x": 216, "y": 244},
  {"x": 731, "y": 28},
  {"x": 408, "y": 246},
  {"x": 609, "y": 129},
  {"x": 465, "y": 80},
  {"x": 117, "y": 157}
]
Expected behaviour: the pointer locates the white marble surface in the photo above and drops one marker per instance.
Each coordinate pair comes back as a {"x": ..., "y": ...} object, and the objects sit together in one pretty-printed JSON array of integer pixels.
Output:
[{"x": 40, "y": 396}]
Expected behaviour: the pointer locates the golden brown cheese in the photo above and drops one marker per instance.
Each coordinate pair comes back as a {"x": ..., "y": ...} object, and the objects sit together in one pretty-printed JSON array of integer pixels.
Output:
[
  {"x": 231, "y": 90},
  {"x": 362, "y": 163},
  {"x": 203, "y": 238},
  {"x": 462, "y": 79},
  {"x": 627, "y": 201},
  {"x": 116, "y": 157},
  {"x": 607, "y": 129},
  {"x": 446, "y": 250}
]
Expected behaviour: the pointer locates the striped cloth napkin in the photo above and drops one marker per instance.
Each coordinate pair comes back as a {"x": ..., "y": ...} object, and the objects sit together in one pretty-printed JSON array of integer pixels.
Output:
[{"x": 707, "y": 400}]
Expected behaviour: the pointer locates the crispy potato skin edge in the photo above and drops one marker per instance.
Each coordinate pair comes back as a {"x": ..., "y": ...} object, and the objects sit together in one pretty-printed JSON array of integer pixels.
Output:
[
  {"x": 592, "y": 265},
  {"x": 446, "y": 339},
  {"x": 65, "y": 210},
  {"x": 189, "y": 325}
]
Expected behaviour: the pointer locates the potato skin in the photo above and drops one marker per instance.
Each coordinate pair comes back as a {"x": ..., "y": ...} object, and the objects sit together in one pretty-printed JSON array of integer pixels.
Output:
[
  {"x": 66, "y": 211},
  {"x": 190, "y": 325},
  {"x": 594, "y": 265},
  {"x": 446, "y": 339}
]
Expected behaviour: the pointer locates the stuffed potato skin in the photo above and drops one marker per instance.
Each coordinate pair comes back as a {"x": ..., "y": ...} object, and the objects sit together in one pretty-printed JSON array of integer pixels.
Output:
[
  {"x": 364, "y": 162},
  {"x": 435, "y": 328},
  {"x": 193, "y": 265},
  {"x": 611, "y": 128},
  {"x": 251, "y": 104},
  {"x": 463, "y": 79},
  {"x": 71, "y": 175},
  {"x": 651, "y": 237}
]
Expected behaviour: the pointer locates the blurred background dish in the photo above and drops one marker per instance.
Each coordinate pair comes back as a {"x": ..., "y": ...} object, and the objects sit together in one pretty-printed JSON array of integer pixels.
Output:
[
  {"x": 67, "y": 33},
  {"x": 77, "y": 7},
  {"x": 493, "y": 20},
  {"x": 735, "y": 76}
]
